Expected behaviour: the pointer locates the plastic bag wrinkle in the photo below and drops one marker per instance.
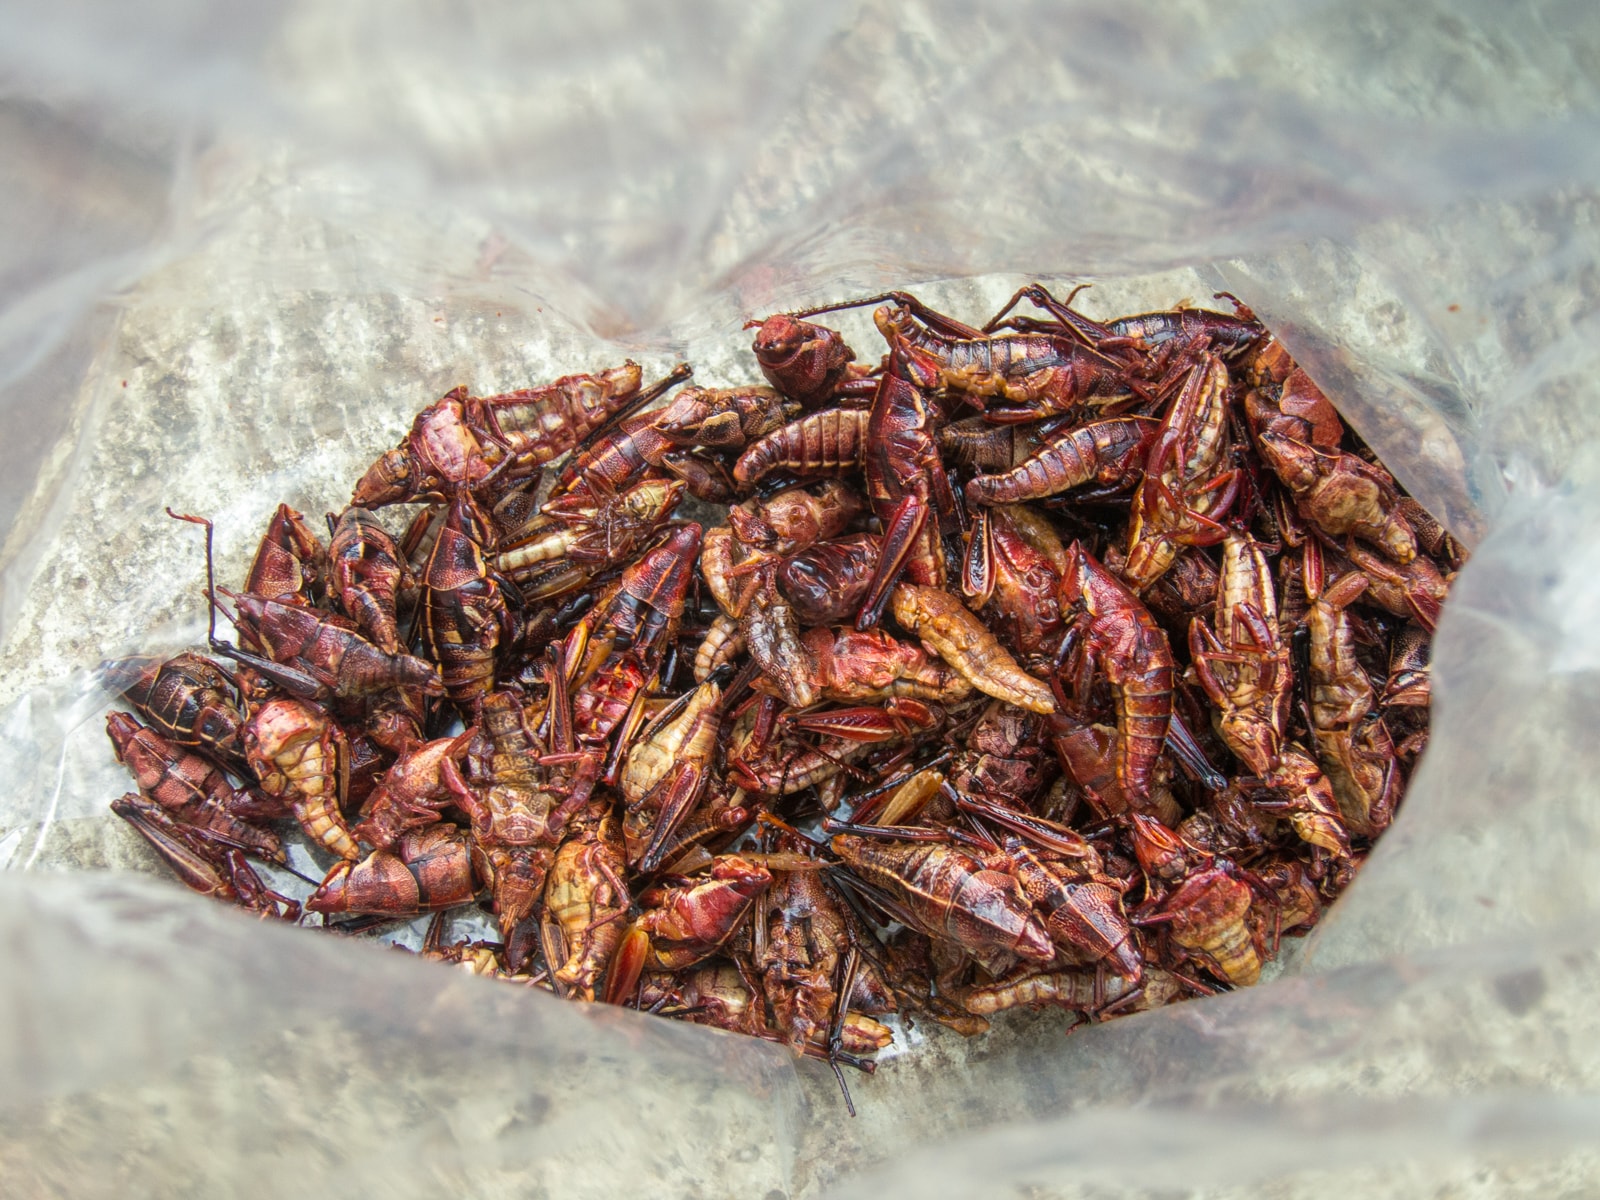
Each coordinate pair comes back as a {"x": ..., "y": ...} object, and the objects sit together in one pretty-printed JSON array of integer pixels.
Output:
[{"x": 249, "y": 1038}]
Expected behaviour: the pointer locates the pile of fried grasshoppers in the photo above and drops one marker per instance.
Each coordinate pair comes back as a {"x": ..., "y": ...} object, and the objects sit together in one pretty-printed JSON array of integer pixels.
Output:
[{"x": 1052, "y": 662}]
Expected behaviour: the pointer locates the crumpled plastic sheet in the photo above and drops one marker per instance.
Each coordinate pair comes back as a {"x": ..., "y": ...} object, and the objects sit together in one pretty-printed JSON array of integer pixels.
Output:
[{"x": 243, "y": 242}]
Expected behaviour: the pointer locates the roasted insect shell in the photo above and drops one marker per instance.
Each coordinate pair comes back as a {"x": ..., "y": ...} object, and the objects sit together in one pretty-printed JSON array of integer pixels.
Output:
[
  {"x": 804, "y": 361},
  {"x": 689, "y": 923},
  {"x": 666, "y": 772},
  {"x": 465, "y": 616},
  {"x": 852, "y": 665},
  {"x": 1137, "y": 661},
  {"x": 795, "y": 518},
  {"x": 725, "y": 418},
  {"x": 586, "y": 894},
  {"x": 187, "y": 698},
  {"x": 367, "y": 572},
  {"x": 944, "y": 623},
  {"x": 829, "y": 442},
  {"x": 947, "y": 894},
  {"x": 290, "y": 563},
  {"x": 1109, "y": 452},
  {"x": 190, "y": 789},
  {"x": 1208, "y": 921},
  {"x": 828, "y": 581},
  {"x": 429, "y": 870},
  {"x": 333, "y": 658},
  {"x": 297, "y": 752}
]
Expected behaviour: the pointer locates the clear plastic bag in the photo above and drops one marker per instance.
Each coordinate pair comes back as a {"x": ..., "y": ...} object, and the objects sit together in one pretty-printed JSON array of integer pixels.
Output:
[{"x": 242, "y": 243}]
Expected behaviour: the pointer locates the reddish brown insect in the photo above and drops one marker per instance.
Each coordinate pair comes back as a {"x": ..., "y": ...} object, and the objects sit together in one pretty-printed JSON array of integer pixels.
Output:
[
  {"x": 943, "y": 892},
  {"x": 366, "y": 574},
  {"x": 465, "y": 614},
  {"x": 587, "y": 899},
  {"x": 827, "y": 582},
  {"x": 906, "y": 483},
  {"x": 201, "y": 862},
  {"x": 808, "y": 363},
  {"x": 829, "y": 442},
  {"x": 290, "y": 563},
  {"x": 1040, "y": 374},
  {"x": 1118, "y": 635},
  {"x": 298, "y": 753},
  {"x": 684, "y": 924},
  {"x": 503, "y": 695},
  {"x": 723, "y": 418},
  {"x": 1109, "y": 453},
  {"x": 428, "y": 870},
  {"x": 193, "y": 791},
  {"x": 188, "y": 699}
]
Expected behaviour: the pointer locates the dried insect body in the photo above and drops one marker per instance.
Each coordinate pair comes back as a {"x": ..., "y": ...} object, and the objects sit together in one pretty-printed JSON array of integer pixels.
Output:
[
  {"x": 830, "y": 442},
  {"x": 413, "y": 791},
  {"x": 562, "y": 550},
  {"x": 808, "y": 363},
  {"x": 440, "y": 454},
  {"x": 665, "y": 773},
  {"x": 724, "y": 642},
  {"x": 1117, "y": 635},
  {"x": 724, "y": 418},
  {"x": 462, "y": 441},
  {"x": 1081, "y": 908},
  {"x": 290, "y": 563},
  {"x": 716, "y": 995},
  {"x": 465, "y": 617},
  {"x": 429, "y": 870},
  {"x": 511, "y": 811},
  {"x": 942, "y": 622},
  {"x": 188, "y": 699},
  {"x": 1003, "y": 757},
  {"x": 772, "y": 636},
  {"x": 618, "y": 456},
  {"x": 192, "y": 791},
  {"x": 946, "y": 894},
  {"x": 1244, "y": 662},
  {"x": 1207, "y": 921},
  {"x": 1018, "y": 562},
  {"x": 827, "y": 582},
  {"x": 795, "y": 519},
  {"x": 687, "y": 923},
  {"x": 851, "y": 666},
  {"x": 1092, "y": 993},
  {"x": 321, "y": 654},
  {"x": 1040, "y": 373},
  {"x": 642, "y": 609},
  {"x": 908, "y": 490},
  {"x": 1183, "y": 327},
  {"x": 726, "y": 569},
  {"x": 201, "y": 862},
  {"x": 1417, "y": 590},
  {"x": 983, "y": 446},
  {"x": 1298, "y": 435},
  {"x": 1110, "y": 453},
  {"x": 1183, "y": 494},
  {"x": 367, "y": 573},
  {"x": 587, "y": 899},
  {"x": 1197, "y": 612},
  {"x": 1353, "y": 743},
  {"x": 298, "y": 752},
  {"x": 809, "y": 933},
  {"x": 779, "y": 766}
]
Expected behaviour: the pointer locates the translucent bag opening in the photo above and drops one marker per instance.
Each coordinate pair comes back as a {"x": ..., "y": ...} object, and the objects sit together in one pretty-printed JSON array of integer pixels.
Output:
[{"x": 243, "y": 244}]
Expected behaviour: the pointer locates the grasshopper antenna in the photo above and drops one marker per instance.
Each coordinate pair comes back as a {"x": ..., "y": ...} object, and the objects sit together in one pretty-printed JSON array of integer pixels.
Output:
[{"x": 211, "y": 578}]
